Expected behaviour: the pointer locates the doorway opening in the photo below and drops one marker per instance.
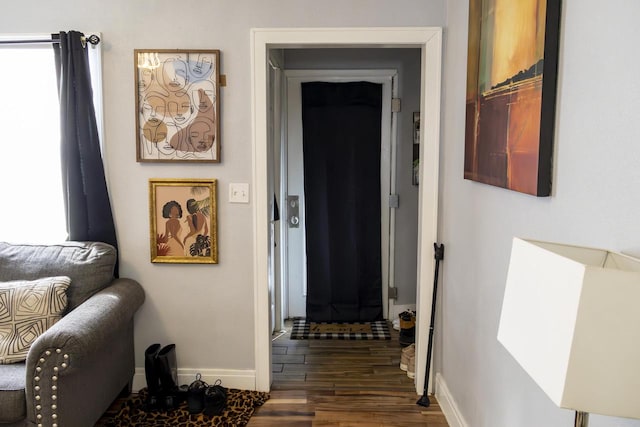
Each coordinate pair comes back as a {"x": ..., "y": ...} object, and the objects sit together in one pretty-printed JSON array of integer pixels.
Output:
[
  {"x": 292, "y": 239},
  {"x": 429, "y": 40}
]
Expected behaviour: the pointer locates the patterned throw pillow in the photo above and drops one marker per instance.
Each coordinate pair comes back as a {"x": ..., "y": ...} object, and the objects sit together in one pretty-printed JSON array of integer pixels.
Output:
[{"x": 27, "y": 309}]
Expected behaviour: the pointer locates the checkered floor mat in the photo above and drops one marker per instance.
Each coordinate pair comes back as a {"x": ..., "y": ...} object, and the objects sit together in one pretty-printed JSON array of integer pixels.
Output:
[{"x": 379, "y": 331}]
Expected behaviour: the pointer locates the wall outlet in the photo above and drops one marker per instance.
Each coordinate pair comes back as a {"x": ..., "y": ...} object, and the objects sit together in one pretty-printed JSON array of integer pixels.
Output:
[{"x": 239, "y": 193}]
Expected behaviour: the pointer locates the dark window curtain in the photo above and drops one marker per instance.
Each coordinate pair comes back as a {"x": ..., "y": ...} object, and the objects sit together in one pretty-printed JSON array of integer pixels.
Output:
[
  {"x": 341, "y": 155},
  {"x": 87, "y": 205}
]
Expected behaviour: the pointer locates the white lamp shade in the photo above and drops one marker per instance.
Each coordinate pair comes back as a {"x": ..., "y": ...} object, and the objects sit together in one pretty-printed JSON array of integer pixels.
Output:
[{"x": 571, "y": 318}]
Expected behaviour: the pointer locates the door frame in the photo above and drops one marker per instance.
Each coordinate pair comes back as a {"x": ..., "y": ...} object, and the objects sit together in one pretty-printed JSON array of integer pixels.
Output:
[
  {"x": 429, "y": 40},
  {"x": 389, "y": 79}
]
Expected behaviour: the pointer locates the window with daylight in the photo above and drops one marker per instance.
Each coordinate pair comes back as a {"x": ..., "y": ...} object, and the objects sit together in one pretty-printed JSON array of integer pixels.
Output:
[{"x": 31, "y": 190}]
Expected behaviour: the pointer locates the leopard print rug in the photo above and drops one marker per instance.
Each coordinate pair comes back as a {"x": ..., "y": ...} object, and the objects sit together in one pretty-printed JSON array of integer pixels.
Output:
[{"x": 240, "y": 406}]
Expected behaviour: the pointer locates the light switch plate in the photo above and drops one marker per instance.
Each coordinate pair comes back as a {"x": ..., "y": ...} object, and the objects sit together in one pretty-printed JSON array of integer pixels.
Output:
[{"x": 238, "y": 192}]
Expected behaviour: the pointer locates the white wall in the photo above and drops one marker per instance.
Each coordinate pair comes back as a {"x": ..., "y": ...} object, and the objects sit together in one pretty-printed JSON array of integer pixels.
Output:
[
  {"x": 595, "y": 202},
  {"x": 206, "y": 310}
]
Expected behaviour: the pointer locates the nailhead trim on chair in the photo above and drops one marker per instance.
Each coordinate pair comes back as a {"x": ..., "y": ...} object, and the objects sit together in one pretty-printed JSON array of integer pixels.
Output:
[{"x": 54, "y": 387}]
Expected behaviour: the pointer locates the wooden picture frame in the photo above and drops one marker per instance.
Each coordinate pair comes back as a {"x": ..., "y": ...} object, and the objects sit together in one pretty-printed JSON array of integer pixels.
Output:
[
  {"x": 183, "y": 221},
  {"x": 177, "y": 99},
  {"x": 511, "y": 93}
]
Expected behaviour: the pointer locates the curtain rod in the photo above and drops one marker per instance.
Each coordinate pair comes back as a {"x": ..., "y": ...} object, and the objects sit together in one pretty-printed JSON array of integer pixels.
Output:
[{"x": 55, "y": 38}]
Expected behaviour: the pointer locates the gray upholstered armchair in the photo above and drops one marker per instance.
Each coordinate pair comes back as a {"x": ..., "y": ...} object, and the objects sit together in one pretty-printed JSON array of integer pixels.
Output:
[{"x": 77, "y": 367}]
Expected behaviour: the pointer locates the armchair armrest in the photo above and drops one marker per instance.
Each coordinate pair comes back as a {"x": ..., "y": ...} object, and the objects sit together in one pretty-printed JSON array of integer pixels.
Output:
[{"x": 78, "y": 357}]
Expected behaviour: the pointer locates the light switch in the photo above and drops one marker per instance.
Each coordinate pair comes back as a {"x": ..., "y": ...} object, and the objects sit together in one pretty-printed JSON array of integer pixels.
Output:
[{"x": 239, "y": 192}]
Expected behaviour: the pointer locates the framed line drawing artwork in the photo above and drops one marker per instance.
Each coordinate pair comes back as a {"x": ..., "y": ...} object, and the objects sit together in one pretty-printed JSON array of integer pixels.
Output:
[
  {"x": 511, "y": 93},
  {"x": 183, "y": 221},
  {"x": 177, "y": 99}
]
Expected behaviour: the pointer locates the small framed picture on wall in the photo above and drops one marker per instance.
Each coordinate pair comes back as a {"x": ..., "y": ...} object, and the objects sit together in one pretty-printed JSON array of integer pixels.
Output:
[
  {"x": 182, "y": 216},
  {"x": 177, "y": 99}
]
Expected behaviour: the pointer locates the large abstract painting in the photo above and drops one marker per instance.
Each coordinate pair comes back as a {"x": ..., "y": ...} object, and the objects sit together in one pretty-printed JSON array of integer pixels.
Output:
[{"x": 511, "y": 93}]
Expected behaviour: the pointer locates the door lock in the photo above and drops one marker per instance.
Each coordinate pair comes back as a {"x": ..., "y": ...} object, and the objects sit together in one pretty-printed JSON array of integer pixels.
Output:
[{"x": 293, "y": 211}]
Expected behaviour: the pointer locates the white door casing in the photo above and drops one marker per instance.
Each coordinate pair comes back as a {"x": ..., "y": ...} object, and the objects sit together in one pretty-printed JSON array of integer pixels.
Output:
[
  {"x": 293, "y": 174},
  {"x": 429, "y": 40}
]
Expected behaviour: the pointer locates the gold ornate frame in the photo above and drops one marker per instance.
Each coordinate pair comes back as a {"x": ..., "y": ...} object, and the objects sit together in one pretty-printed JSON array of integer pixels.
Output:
[{"x": 183, "y": 221}]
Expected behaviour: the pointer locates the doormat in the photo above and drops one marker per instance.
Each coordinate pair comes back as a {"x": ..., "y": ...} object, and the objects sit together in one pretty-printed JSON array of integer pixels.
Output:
[
  {"x": 303, "y": 330},
  {"x": 241, "y": 405}
]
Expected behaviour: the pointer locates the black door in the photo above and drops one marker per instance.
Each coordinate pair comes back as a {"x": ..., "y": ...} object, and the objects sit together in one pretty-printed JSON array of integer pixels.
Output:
[{"x": 341, "y": 154}]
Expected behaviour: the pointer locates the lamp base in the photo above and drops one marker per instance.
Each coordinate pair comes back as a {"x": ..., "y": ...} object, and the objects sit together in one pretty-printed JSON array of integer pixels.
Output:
[{"x": 582, "y": 419}]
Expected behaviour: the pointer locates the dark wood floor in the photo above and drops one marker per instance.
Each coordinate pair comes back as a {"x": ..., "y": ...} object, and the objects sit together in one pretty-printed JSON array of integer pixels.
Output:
[
  {"x": 342, "y": 383},
  {"x": 323, "y": 383}
]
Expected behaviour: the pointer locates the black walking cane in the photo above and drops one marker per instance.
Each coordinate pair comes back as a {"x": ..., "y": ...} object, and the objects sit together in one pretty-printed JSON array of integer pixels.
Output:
[{"x": 439, "y": 255}]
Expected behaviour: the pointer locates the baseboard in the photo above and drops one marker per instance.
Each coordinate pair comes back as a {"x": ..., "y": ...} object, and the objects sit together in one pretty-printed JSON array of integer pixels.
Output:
[
  {"x": 448, "y": 404},
  {"x": 241, "y": 379}
]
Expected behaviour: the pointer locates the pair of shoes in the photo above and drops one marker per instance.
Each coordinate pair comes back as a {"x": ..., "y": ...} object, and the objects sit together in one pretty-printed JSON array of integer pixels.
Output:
[
  {"x": 407, "y": 327},
  {"x": 406, "y": 355},
  {"x": 161, "y": 373},
  {"x": 210, "y": 400}
]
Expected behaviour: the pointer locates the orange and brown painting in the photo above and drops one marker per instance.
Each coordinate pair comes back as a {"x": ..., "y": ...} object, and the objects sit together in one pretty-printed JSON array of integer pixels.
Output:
[{"x": 509, "y": 124}]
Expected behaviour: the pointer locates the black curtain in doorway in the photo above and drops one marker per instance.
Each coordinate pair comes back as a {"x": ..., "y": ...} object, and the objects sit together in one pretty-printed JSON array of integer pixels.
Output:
[{"x": 341, "y": 154}]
